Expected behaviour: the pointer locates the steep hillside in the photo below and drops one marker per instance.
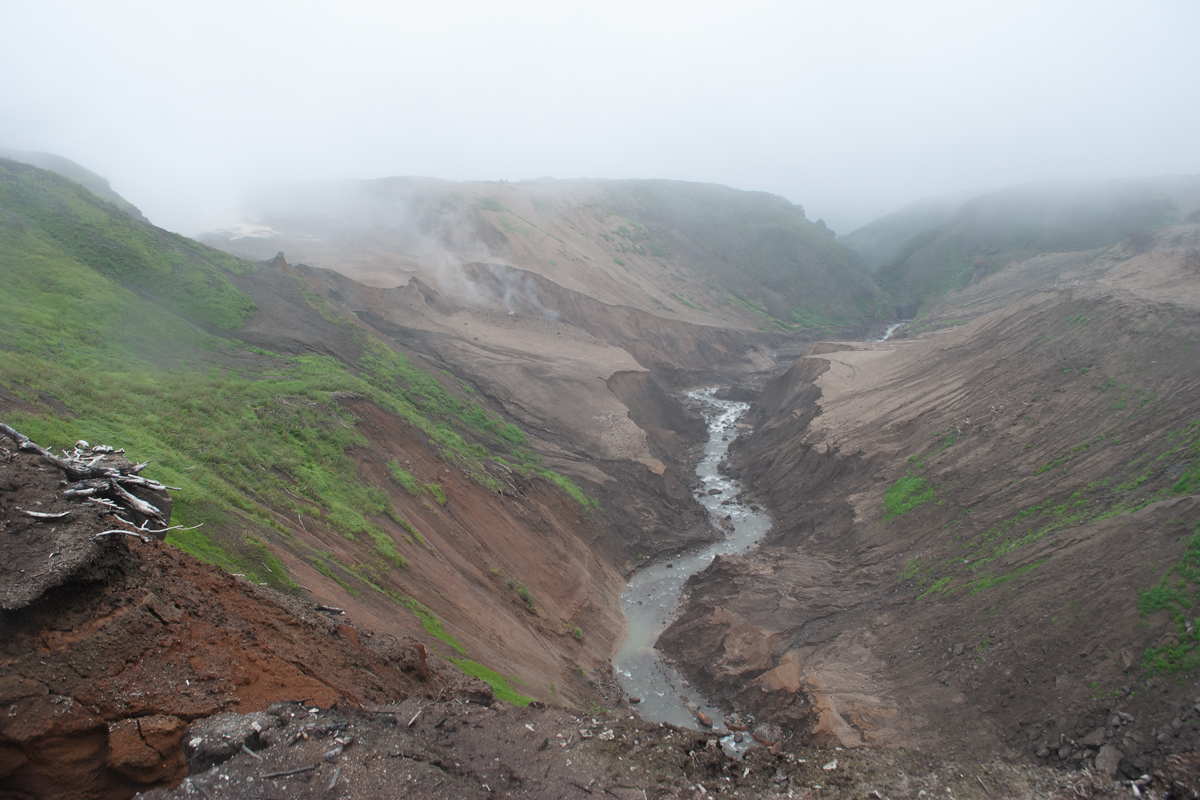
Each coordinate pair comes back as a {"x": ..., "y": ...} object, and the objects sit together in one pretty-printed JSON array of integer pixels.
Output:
[
  {"x": 877, "y": 242},
  {"x": 991, "y": 231},
  {"x": 323, "y": 460},
  {"x": 697, "y": 253},
  {"x": 89, "y": 180},
  {"x": 986, "y": 535}
]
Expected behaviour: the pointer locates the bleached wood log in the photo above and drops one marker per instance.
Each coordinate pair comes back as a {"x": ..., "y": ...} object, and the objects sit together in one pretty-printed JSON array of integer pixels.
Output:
[{"x": 136, "y": 503}]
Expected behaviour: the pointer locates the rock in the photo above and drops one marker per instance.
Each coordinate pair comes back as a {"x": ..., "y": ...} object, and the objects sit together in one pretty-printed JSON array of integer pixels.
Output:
[
  {"x": 704, "y": 719},
  {"x": 958, "y": 648},
  {"x": 1093, "y": 739},
  {"x": 768, "y": 734},
  {"x": 1126, "y": 718},
  {"x": 1108, "y": 759},
  {"x": 217, "y": 739},
  {"x": 1164, "y": 738},
  {"x": 146, "y": 750},
  {"x": 606, "y": 735},
  {"x": 633, "y": 701}
]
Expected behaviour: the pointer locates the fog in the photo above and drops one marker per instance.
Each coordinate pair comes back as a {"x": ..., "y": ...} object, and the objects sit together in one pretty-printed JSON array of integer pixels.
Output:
[{"x": 851, "y": 109}]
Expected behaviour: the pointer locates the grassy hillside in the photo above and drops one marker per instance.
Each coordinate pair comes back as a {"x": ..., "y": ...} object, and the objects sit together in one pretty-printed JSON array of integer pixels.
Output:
[
  {"x": 758, "y": 247},
  {"x": 993, "y": 230},
  {"x": 877, "y": 242},
  {"x": 89, "y": 180},
  {"x": 119, "y": 332}
]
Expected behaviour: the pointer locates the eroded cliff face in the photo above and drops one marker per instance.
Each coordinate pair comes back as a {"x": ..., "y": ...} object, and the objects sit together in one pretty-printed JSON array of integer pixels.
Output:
[{"x": 965, "y": 520}]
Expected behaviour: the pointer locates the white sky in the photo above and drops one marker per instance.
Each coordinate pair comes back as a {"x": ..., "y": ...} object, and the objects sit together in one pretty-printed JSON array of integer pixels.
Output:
[{"x": 849, "y": 108}]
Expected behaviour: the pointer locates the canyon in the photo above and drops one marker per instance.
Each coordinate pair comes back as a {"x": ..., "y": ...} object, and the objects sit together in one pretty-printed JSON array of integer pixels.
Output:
[{"x": 430, "y": 430}]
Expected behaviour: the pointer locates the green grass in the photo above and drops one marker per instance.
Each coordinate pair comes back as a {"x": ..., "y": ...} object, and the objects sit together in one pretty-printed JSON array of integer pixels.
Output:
[
  {"x": 906, "y": 494},
  {"x": 1178, "y": 593},
  {"x": 404, "y": 478},
  {"x": 123, "y": 324},
  {"x": 188, "y": 277},
  {"x": 972, "y": 566},
  {"x": 498, "y": 682}
]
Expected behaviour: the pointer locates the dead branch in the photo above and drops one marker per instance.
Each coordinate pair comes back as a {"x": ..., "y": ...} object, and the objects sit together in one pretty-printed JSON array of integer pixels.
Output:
[
  {"x": 43, "y": 515},
  {"x": 115, "y": 532},
  {"x": 137, "y": 504},
  {"x": 143, "y": 530},
  {"x": 287, "y": 773}
]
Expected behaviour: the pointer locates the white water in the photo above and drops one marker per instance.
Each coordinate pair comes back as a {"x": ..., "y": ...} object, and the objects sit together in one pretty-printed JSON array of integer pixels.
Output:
[
  {"x": 652, "y": 597},
  {"x": 895, "y": 326}
]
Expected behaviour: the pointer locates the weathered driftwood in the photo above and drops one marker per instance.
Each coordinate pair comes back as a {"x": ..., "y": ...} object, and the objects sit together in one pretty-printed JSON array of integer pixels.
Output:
[
  {"x": 100, "y": 480},
  {"x": 143, "y": 532},
  {"x": 138, "y": 505},
  {"x": 42, "y": 514}
]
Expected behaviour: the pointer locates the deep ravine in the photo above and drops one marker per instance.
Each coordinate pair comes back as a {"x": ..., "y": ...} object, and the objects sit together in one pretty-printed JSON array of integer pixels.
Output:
[{"x": 651, "y": 598}]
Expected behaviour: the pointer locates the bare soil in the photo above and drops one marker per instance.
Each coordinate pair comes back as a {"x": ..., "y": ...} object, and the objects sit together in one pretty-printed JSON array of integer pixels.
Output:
[{"x": 1052, "y": 389}]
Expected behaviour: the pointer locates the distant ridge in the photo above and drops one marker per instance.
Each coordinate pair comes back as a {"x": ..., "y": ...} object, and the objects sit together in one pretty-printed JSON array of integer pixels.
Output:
[{"x": 94, "y": 183}]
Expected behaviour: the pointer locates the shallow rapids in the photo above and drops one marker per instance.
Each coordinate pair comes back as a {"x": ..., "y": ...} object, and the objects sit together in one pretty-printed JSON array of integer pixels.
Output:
[{"x": 651, "y": 599}]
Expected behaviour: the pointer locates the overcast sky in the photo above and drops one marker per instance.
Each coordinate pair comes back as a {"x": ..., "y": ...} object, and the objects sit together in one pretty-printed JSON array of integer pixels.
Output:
[{"x": 849, "y": 108}]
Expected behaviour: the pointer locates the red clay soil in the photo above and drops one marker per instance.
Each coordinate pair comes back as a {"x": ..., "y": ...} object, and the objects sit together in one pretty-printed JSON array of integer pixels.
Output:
[{"x": 101, "y": 672}]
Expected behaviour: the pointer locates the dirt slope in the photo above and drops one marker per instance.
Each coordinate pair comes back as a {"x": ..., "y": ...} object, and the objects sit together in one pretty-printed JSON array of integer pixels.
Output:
[
  {"x": 698, "y": 253},
  {"x": 965, "y": 519}
]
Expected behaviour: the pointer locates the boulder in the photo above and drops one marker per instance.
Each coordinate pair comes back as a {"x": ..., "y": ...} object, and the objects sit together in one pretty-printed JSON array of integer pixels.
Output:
[{"x": 1108, "y": 759}]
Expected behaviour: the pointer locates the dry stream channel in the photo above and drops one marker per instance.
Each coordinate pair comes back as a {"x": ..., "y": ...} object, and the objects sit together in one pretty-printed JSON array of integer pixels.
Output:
[{"x": 651, "y": 599}]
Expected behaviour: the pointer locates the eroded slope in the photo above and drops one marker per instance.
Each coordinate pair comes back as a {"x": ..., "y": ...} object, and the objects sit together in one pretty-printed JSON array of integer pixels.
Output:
[{"x": 967, "y": 522}]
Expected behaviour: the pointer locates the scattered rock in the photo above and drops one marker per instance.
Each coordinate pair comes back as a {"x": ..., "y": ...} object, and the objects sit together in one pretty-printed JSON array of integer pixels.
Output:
[
  {"x": 217, "y": 739},
  {"x": 1093, "y": 739},
  {"x": 1108, "y": 759}
]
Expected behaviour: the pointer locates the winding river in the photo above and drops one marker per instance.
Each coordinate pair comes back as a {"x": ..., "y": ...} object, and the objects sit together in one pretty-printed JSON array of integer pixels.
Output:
[{"x": 651, "y": 598}]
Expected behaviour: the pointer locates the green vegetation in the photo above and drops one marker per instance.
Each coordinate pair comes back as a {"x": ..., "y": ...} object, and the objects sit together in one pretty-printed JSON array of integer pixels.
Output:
[
  {"x": 1010, "y": 225},
  {"x": 118, "y": 321},
  {"x": 498, "y": 682},
  {"x": 189, "y": 278},
  {"x": 684, "y": 301},
  {"x": 968, "y": 562},
  {"x": 436, "y": 492},
  {"x": 404, "y": 478},
  {"x": 906, "y": 494},
  {"x": 757, "y": 246},
  {"x": 523, "y": 592},
  {"x": 1178, "y": 592}
]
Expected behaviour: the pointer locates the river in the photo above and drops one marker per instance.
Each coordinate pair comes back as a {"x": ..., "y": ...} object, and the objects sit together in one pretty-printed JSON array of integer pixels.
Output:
[{"x": 651, "y": 598}]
